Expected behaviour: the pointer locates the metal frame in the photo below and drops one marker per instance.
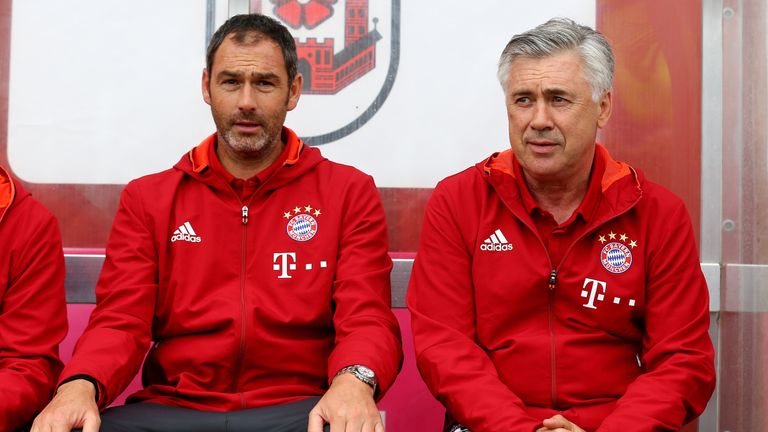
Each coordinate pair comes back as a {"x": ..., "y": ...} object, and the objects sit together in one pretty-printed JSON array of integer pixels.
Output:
[{"x": 711, "y": 180}]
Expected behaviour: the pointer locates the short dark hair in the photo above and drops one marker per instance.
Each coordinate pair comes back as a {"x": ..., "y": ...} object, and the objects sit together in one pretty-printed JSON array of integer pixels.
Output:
[{"x": 255, "y": 27}]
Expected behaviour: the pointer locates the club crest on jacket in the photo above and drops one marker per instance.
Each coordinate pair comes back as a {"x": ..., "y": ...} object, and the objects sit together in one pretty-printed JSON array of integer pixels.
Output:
[
  {"x": 616, "y": 256},
  {"x": 302, "y": 225}
]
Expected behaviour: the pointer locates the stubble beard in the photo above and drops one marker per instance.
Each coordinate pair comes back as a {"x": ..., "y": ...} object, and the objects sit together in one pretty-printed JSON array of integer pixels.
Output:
[
  {"x": 249, "y": 144},
  {"x": 258, "y": 143}
]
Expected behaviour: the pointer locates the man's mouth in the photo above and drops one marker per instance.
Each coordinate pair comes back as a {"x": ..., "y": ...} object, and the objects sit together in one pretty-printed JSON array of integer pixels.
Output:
[
  {"x": 543, "y": 143},
  {"x": 247, "y": 126},
  {"x": 542, "y": 146}
]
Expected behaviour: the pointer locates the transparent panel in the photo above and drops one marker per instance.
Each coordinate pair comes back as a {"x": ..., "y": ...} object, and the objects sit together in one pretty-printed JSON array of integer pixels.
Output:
[{"x": 744, "y": 320}]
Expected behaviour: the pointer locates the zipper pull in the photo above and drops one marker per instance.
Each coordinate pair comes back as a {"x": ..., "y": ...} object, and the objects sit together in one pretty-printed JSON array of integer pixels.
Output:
[
  {"x": 245, "y": 215},
  {"x": 552, "y": 279}
]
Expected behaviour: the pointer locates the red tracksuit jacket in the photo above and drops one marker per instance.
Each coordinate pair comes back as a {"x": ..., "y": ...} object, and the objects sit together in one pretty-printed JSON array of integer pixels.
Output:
[
  {"x": 33, "y": 315},
  {"x": 248, "y": 303},
  {"x": 615, "y": 337}
]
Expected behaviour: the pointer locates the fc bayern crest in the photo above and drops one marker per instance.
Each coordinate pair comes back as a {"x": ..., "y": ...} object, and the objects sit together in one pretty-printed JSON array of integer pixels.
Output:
[
  {"x": 301, "y": 227},
  {"x": 616, "y": 257},
  {"x": 348, "y": 54}
]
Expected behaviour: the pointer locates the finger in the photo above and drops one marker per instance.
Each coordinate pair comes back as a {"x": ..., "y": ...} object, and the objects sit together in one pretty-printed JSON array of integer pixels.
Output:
[
  {"x": 555, "y": 422},
  {"x": 356, "y": 423},
  {"x": 316, "y": 422},
  {"x": 338, "y": 424},
  {"x": 372, "y": 426},
  {"x": 91, "y": 424},
  {"x": 370, "y": 422}
]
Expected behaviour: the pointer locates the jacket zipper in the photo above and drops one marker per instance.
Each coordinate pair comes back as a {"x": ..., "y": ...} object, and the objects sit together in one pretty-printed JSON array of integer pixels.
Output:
[
  {"x": 552, "y": 347},
  {"x": 243, "y": 332},
  {"x": 243, "y": 266},
  {"x": 552, "y": 283}
]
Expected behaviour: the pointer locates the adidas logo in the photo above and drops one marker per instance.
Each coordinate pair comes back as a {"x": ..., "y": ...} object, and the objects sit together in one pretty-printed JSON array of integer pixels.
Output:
[
  {"x": 186, "y": 233},
  {"x": 496, "y": 243}
]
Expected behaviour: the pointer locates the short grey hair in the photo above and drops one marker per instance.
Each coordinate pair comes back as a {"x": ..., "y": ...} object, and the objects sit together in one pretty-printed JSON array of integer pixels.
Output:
[{"x": 558, "y": 35}]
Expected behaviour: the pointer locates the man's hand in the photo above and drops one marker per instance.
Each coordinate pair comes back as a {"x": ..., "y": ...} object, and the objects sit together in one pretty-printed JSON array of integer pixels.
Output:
[
  {"x": 73, "y": 406},
  {"x": 347, "y": 406},
  {"x": 559, "y": 423}
]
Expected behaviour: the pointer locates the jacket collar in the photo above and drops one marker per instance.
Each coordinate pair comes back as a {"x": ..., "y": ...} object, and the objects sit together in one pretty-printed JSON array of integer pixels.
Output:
[
  {"x": 200, "y": 160},
  {"x": 300, "y": 159},
  {"x": 620, "y": 184},
  {"x": 7, "y": 192}
]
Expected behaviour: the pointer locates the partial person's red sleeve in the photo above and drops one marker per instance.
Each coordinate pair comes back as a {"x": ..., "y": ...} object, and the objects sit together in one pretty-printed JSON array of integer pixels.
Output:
[
  {"x": 33, "y": 316},
  {"x": 441, "y": 300},
  {"x": 677, "y": 352},
  {"x": 113, "y": 345},
  {"x": 367, "y": 331}
]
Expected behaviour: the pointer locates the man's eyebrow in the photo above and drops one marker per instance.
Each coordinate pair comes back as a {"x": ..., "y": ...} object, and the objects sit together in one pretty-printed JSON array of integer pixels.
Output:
[
  {"x": 228, "y": 73},
  {"x": 254, "y": 75},
  {"x": 520, "y": 91},
  {"x": 556, "y": 91},
  {"x": 265, "y": 76}
]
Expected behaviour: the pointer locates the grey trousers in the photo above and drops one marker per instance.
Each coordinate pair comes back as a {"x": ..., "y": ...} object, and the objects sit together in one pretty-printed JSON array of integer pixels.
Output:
[{"x": 146, "y": 417}]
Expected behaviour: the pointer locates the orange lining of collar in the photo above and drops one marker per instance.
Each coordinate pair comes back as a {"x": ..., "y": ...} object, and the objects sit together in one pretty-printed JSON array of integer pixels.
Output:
[
  {"x": 500, "y": 162},
  {"x": 7, "y": 191},
  {"x": 613, "y": 170}
]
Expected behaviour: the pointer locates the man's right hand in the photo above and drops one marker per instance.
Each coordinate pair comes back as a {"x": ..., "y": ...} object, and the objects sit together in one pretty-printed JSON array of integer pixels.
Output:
[{"x": 73, "y": 406}]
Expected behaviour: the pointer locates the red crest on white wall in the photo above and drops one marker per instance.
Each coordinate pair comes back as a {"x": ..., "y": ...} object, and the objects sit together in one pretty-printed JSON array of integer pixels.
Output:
[{"x": 348, "y": 56}]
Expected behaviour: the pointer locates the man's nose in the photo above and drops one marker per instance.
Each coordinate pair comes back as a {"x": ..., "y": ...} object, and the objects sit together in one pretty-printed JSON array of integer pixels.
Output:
[
  {"x": 542, "y": 118},
  {"x": 247, "y": 99}
]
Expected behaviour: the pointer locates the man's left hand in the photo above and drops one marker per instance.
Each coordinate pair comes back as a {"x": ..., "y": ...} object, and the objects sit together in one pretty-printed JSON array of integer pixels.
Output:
[
  {"x": 347, "y": 406},
  {"x": 559, "y": 423}
]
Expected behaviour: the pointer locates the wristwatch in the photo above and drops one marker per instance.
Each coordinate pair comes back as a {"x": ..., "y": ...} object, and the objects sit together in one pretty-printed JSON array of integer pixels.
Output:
[{"x": 362, "y": 373}]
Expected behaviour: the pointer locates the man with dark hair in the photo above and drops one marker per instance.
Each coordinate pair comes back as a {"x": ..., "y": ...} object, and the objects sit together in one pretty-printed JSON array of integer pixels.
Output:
[
  {"x": 33, "y": 315},
  {"x": 256, "y": 269},
  {"x": 556, "y": 289}
]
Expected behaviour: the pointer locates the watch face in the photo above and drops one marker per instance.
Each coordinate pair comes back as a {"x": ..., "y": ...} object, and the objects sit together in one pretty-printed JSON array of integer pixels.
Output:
[{"x": 364, "y": 371}]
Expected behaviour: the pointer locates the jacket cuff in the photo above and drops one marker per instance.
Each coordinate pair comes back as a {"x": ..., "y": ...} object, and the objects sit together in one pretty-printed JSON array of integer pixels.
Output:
[{"x": 88, "y": 378}]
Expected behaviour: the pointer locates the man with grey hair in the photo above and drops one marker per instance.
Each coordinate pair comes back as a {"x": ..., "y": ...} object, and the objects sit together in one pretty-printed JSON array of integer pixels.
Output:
[{"x": 556, "y": 289}]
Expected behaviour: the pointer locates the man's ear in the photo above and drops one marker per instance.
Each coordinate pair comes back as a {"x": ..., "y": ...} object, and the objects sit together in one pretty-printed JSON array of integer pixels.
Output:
[
  {"x": 206, "y": 87},
  {"x": 294, "y": 91},
  {"x": 604, "y": 105}
]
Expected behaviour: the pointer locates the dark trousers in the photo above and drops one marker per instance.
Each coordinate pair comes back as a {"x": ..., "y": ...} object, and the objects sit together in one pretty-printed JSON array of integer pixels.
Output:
[{"x": 146, "y": 417}]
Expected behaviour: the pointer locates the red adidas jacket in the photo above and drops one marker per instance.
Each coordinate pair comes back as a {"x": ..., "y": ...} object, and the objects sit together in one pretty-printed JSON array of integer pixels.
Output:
[
  {"x": 614, "y": 338},
  {"x": 248, "y": 304},
  {"x": 33, "y": 315}
]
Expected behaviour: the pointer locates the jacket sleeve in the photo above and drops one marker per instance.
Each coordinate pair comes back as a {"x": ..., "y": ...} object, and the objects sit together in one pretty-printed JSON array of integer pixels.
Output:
[
  {"x": 118, "y": 334},
  {"x": 367, "y": 331},
  {"x": 33, "y": 319},
  {"x": 677, "y": 352},
  {"x": 441, "y": 300}
]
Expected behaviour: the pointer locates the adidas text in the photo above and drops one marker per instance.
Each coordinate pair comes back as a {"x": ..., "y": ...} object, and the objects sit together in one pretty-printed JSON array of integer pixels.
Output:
[
  {"x": 496, "y": 247},
  {"x": 186, "y": 237}
]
